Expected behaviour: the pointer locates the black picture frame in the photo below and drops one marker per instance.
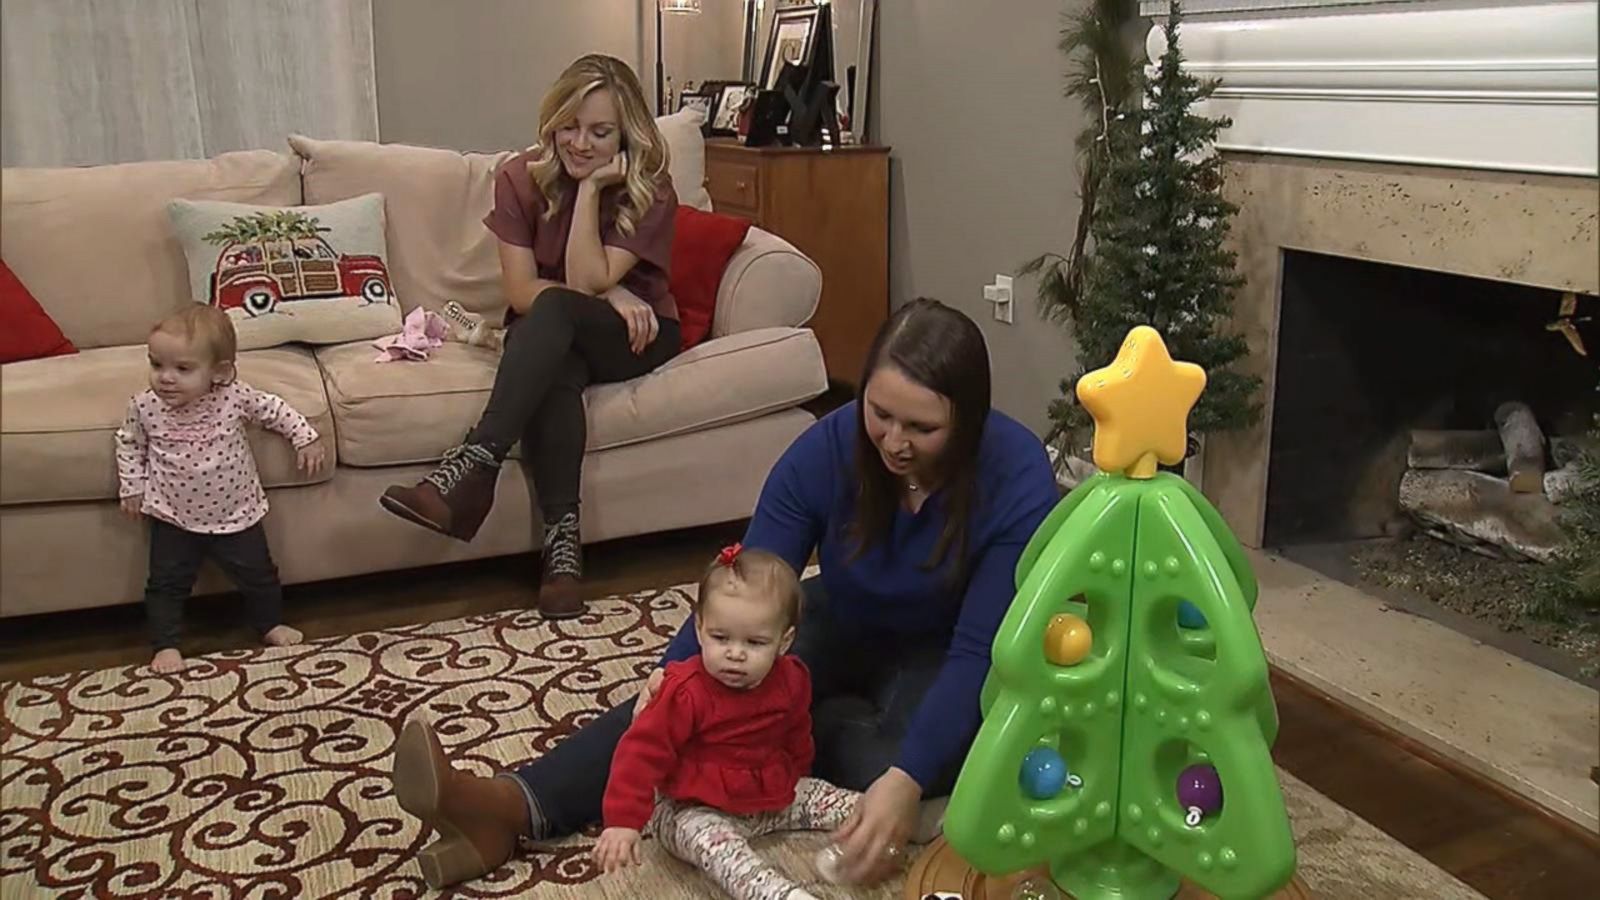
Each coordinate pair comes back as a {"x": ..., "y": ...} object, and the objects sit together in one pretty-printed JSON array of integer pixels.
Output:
[
  {"x": 712, "y": 92},
  {"x": 730, "y": 101},
  {"x": 693, "y": 99},
  {"x": 795, "y": 23}
]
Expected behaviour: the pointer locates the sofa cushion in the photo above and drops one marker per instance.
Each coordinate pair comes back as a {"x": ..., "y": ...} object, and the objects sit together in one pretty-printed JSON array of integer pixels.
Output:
[
  {"x": 412, "y": 412},
  {"x": 435, "y": 201},
  {"x": 686, "y": 156},
  {"x": 29, "y": 331},
  {"x": 317, "y": 274},
  {"x": 58, "y": 415},
  {"x": 93, "y": 243},
  {"x": 701, "y": 247}
]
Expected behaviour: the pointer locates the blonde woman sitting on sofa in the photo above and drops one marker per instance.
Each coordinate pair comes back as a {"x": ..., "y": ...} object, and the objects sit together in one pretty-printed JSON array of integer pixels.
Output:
[{"x": 589, "y": 208}]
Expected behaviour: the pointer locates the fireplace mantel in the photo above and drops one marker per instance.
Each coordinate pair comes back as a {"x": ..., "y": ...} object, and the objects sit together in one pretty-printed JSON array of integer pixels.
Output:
[{"x": 1508, "y": 87}]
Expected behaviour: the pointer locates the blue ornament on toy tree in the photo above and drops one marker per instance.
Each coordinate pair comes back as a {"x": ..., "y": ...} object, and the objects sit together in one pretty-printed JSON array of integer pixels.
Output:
[
  {"x": 1190, "y": 616},
  {"x": 1044, "y": 774}
]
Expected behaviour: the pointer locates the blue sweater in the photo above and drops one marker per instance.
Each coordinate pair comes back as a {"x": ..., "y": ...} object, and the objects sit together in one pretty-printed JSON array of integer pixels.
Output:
[{"x": 808, "y": 501}]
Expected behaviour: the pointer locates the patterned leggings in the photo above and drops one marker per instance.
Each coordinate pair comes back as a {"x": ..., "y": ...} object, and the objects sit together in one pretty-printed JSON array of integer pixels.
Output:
[{"x": 719, "y": 843}]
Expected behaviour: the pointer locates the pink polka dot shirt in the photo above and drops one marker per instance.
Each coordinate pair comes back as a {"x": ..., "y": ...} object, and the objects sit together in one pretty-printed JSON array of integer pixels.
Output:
[{"x": 193, "y": 465}]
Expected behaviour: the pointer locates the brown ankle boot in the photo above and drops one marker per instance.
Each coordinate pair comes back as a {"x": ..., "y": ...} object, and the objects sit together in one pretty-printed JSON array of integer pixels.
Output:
[
  {"x": 559, "y": 588},
  {"x": 478, "y": 819},
  {"x": 454, "y": 498}
]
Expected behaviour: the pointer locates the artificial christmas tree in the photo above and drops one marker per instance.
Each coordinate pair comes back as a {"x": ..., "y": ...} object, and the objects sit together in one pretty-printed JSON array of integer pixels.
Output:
[
  {"x": 1119, "y": 745},
  {"x": 1159, "y": 226}
]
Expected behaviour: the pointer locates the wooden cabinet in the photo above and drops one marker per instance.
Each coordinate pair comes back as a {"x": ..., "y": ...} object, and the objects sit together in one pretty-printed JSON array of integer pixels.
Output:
[{"x": 834, "y": 206}]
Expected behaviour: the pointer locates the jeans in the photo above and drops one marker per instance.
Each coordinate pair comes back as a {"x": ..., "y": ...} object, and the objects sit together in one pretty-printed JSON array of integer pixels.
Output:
[
  {"x": 567, "y": 341},
  {"x": 857, "y": 732},
  {"x": 175, "y": 558}
]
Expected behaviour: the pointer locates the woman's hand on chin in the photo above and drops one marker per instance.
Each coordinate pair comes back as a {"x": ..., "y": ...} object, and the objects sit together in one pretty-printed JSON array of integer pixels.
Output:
[
  {"x": 613, "y": 172},
  {"x": 875, "y": 835}
]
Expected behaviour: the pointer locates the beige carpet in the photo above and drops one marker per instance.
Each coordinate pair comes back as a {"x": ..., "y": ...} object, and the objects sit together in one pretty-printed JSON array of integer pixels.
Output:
[{"x": 264, "y": 773}]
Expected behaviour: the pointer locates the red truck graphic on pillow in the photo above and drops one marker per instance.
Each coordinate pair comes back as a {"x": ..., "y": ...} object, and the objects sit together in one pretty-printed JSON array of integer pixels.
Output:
[{"x": 273, "y": 257}]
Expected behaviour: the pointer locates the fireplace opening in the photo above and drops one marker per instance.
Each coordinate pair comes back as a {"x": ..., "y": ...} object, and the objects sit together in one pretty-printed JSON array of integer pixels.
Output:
[{"x": 1370, "y": 353}]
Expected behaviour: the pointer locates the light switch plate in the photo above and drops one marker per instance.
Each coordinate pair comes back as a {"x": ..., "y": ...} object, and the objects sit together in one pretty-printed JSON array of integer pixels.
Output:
[{"x": 999, "y": 294}]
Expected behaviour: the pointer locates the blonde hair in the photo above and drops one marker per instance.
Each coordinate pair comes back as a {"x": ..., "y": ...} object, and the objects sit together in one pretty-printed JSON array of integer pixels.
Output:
[
  {"x": 764, "y": 573},
  {"x": 208, "y": 326},
  {"x": 647, "y": 149}
]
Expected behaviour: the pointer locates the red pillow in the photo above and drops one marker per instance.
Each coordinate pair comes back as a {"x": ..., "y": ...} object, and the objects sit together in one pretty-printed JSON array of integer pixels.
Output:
[
  {"x": 26, "y": 331},
  {"x": 702, "y": 244}
]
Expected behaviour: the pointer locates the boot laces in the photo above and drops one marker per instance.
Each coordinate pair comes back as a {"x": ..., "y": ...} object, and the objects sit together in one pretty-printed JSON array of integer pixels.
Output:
[
  {"x": 457, "y": 464},
  {"x": 563, "y": 547}
]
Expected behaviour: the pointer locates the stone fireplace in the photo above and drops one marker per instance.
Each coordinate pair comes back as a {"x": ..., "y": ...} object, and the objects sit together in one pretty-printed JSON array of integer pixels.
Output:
[{"x": 1444, "y": 153}]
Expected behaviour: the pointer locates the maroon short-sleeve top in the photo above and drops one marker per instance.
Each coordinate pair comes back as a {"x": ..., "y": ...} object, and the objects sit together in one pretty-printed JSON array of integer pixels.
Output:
[{"x": 518, "y": 217}]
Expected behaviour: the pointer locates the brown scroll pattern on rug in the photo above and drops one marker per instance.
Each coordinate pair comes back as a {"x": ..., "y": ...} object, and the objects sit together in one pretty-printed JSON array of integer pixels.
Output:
[{"x": 265, "y": 773}]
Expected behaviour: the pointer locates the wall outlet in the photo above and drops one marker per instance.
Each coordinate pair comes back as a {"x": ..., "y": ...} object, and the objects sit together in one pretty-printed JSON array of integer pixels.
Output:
[{"x": 999, "y": 294}]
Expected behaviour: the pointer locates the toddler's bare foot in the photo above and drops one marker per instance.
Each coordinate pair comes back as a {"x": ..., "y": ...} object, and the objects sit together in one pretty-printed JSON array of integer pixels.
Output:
[
  {"x": 167, "y": 661},
  {"x": 282, "y": 636}
]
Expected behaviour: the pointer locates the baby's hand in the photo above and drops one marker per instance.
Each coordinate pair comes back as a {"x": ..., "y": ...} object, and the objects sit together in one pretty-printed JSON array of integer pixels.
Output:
[
  {"x": 132, "y": 504},
  {"x": 312, "y": 457},
  {"x": 617, "y": 849}
]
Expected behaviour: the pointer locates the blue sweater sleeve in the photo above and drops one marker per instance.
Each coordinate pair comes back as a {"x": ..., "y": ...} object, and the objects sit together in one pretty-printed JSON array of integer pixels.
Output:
[
  {"x": 946, "y": 721},
  {"x": 789, "y": 517}
]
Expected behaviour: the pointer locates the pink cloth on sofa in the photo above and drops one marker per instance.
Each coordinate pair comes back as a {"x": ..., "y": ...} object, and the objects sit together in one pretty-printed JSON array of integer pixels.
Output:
[{"x": 423, "y": 330}]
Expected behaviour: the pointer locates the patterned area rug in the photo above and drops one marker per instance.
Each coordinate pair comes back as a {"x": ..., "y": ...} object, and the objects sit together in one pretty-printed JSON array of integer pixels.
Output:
[{"x": 264, "y": 773}]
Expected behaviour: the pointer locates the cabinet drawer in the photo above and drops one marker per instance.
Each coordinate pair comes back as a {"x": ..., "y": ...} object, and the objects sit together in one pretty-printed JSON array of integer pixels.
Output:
[{"x": 736, "y": 186}]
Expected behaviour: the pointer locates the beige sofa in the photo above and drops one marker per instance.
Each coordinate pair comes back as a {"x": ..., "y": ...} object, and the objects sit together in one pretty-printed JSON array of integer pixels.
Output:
[{"x": 686, "y": 445}]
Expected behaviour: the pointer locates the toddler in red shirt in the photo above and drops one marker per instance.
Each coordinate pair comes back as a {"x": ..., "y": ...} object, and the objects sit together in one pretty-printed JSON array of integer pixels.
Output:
[{"x": 720, "y": 751}]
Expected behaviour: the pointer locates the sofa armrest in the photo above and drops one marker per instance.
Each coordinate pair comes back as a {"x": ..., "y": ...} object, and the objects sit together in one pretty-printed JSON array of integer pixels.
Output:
[{"x": 767, "y": 284}]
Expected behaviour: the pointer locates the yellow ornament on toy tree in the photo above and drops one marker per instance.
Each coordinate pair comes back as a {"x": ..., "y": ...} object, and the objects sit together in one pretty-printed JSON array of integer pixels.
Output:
[
  {"x": 1067, "y": 639},
  {"x": 1140, "y": 404}
]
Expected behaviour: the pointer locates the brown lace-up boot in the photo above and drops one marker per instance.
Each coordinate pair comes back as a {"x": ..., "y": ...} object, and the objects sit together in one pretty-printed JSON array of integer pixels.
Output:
[
  {"x": 560, "y": 596},
  {"x": 454, "y": 498}
]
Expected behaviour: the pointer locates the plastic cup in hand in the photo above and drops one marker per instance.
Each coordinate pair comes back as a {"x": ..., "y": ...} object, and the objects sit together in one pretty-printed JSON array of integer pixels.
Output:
[
  {"x": 830, "y": 862},
  {"x": 1036, "y": 888}
]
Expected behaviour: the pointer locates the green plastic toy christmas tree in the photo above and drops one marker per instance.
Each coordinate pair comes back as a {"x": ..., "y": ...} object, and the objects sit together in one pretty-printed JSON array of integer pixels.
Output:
[{"x": 1127, "y": 714}]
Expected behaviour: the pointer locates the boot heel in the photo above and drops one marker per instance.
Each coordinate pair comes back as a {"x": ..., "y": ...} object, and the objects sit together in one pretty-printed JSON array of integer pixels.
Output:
[
  {"x": 450, "y": 860},
  {"x": 416, "y": 781}
]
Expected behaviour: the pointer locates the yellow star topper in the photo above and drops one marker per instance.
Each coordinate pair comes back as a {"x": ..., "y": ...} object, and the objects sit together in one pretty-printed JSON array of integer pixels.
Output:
[{"x": 1140, "y": 404}]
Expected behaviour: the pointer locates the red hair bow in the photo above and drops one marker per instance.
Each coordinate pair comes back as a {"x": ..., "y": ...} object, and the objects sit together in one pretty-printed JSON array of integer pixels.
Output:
[{"x": 729, "y": 555}]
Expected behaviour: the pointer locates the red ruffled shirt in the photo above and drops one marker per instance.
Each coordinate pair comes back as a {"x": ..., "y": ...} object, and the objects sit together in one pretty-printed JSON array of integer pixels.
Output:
[{"x": 700, "y": 741}]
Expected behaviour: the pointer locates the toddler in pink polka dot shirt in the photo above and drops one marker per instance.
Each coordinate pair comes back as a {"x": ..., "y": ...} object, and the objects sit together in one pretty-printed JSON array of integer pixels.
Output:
[{"x": 184, "y": 462}]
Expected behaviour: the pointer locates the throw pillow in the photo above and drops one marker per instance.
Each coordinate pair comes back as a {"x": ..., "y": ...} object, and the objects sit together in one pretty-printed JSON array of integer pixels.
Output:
[
  {"x": 26, "y": 330},
  {"x": 686, "y": 156},
  {"x": 702, "y": 244},
  {"x": 316, "y": 274}
]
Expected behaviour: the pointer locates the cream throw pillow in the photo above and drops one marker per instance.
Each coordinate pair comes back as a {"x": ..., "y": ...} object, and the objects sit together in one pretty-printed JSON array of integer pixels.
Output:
[
  {"x": 317, "y": 274},
  {"x": 686, "y": 147}
]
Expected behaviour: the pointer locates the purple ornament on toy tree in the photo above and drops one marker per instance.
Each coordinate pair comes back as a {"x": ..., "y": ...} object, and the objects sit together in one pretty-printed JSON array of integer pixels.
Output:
[{"x": 1199, "y": 793}]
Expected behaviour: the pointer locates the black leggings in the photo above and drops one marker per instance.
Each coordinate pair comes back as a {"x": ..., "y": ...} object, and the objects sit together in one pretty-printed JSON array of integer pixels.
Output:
[
  {"x": 175, "y": 558},
  {"x": 567, "y": 341}
]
